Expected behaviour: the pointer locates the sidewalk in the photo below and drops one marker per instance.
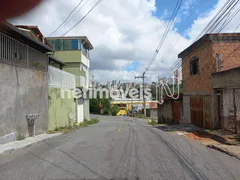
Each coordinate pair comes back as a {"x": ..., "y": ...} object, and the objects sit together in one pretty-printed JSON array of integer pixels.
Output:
[
  {"x": 12, "y": 146},
  {"x": 228, "y": 143}
]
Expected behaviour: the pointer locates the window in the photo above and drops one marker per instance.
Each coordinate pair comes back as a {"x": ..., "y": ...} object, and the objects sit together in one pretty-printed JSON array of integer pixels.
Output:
[
  {"x": 64, "y": 44},
  {"x": 194, "y": 69},
  {"x": 75, "y": 44}
]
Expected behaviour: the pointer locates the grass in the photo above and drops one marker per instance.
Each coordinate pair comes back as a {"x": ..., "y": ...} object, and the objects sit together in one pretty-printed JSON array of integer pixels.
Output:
[
  {"x": 75, "y": 127},
  {"x": 139, "y": 116},
  {"x": 20, "y": 137},
  {"x": 152, "y": 122}
]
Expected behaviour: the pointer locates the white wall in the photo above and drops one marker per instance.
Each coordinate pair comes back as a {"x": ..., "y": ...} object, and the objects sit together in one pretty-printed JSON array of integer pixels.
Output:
[
  {"x": 85, "y": 60},
  {"x": 80, "y": 111}
]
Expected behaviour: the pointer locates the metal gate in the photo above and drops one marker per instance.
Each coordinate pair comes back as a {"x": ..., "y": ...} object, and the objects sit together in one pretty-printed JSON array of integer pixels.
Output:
[
  {"x": 200, "y": 107},
  {"x": 177, "y": 111}
]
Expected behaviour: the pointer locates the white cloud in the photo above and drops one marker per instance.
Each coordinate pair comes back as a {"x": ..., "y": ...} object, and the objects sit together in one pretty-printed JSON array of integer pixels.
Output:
[
  {"x": 121, "y": 32},
  {"x": 201, "y": 22}
]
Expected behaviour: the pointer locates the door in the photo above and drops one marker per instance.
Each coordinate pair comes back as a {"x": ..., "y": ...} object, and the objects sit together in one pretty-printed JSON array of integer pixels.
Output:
[
  {"x": 177, "y": 111},
  {"x": 196, "y": 105}
]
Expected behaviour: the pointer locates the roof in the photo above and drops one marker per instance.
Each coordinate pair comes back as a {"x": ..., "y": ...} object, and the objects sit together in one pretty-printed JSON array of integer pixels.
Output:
[
  {"x": 38, "y": 34},
  {"x": 84, "y": 38},
  {"x": 15, "y": 33},
  {"x": 210, "y": 38},
  {"x": 227, "y": 71},
  {"x": 56, "y": 61},
  {"x": 35, "y": 28}
]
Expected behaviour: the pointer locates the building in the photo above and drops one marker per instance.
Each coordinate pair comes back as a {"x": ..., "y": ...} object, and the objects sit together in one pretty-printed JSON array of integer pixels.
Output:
[
  {"x": 24, "y": 88},
  {"x": 226, "y": 85},
  {"x": 210, "y": 54},
  {"x": 170, "y": 111},
  {"x": 74, "y": 52}
]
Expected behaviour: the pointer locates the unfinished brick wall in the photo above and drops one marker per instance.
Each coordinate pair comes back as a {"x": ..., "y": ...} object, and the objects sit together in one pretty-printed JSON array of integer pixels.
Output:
[
  {"x": 207, "y": 65},
  {"x": 229, "y": 53},
  {"x": 207, "y": 53}
]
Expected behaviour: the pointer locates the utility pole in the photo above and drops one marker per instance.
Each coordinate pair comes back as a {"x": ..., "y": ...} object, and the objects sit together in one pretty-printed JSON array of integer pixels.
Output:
[
  {"x": 157, "y": 89},
  {"x": 144, "y": 100},
  {"x": 92, "y": 80},
  {"x": 219, "y": 62}
]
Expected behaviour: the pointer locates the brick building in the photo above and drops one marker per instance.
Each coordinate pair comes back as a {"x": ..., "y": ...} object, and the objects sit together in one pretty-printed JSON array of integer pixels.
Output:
[{"x": 211, "y": 53}]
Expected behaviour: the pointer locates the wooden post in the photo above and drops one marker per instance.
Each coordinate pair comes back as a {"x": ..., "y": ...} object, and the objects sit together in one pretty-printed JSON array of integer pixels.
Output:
[{"x": 235, "y": 111}]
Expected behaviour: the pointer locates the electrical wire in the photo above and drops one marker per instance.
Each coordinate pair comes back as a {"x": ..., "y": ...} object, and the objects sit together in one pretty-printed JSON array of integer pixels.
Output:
[
  {"x": 225, "y": 7},
  {"x": 205, "y": 65},
  {"x": 94, "y": 6},
  {"x": 231, "y": 5},
  {"x": 66, "y": 18},
  {"x": 177, "y": 7}
]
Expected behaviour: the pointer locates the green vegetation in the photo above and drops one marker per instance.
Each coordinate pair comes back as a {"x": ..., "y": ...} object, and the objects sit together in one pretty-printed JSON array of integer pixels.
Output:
[
  {"x": 152, "y": 122},
  {"x": 103, "y": 106},
  {"x": 38, "y": 65},
  {"x": 20, "y": 137},
  {"x": 114, "y": 110},
  {"x": 75, "y": 127},
  {"x": 139, "y": 116}
]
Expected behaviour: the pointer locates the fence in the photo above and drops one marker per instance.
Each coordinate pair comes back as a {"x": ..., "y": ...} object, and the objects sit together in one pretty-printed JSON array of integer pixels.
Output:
[
  {"x": 230, "y": 114},
  {"x": 61, "y": 79},
  {"x": 15, "y": 52}
]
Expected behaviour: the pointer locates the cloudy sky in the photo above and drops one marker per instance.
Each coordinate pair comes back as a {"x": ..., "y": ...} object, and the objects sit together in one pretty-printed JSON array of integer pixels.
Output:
[{"x": 125, "y": 33}]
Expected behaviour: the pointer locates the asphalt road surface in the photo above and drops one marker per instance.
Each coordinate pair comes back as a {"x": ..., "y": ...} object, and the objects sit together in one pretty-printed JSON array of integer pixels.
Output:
[{"x": 118, "y": 148}]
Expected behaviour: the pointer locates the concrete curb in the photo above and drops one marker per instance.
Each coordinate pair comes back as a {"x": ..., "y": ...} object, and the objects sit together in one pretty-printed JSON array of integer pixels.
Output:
[
  {"x": 17, "y": 145},
  {"x": 223, "y": 150}
]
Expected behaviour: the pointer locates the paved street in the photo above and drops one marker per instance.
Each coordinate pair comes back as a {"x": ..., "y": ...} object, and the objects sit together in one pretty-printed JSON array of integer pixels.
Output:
[{"x": 118, "y": 148}]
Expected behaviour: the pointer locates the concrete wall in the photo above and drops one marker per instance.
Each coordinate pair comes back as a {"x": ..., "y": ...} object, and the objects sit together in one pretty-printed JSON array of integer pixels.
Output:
[
  {"x": 86, "y": 109},
  {"x": 22, "y": 91},
  {"x": 80, "y": 111},
  {"x": 68, "y": 56},
  {"x": 186, "y": 110},
  {"x": 230, "y": 79},
  {"x": 166, "y": 112},
  {"x": 62, "y": 111}
]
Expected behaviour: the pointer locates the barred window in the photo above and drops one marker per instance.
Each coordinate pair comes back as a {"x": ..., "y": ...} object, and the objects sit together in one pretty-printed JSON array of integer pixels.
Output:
[
  {"x": 13, "y": 51},
  {"x": 194, "y": 66}
]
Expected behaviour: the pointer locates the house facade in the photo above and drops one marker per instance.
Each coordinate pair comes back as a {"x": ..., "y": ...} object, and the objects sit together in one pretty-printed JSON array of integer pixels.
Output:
[
  {"x": 226, "y": 85},
  {"x": 74, "y": 52},
  {"x": 24, "y": 86},
  {"x": 211, "y": 53}
]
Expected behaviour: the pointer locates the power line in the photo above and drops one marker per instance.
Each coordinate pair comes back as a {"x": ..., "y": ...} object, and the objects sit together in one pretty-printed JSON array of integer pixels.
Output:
[
  {"x": 191, "y": 13},
  {"x": 213, "y": 23},
  {"x": 94, "y": 6},
  {"x": 197, "y": 5},
  {"x": 178, "y": 64},
  {"x": 177, "y": 7},
  {"x": 234, "y": 14},
  {"x": 66, "y": 18}
]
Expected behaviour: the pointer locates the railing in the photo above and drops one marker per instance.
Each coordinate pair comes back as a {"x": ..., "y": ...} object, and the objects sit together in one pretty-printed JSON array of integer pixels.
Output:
[
  {"x": 13, "y": 51},
  {"x": 61, "y": 79}
]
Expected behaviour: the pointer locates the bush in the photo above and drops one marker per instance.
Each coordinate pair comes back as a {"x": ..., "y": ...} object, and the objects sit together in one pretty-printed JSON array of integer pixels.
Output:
[
  {"x": 20, "y": 137},
  {"x": 152, "y": 122},
  {"x": 139, "y": 116},
  {"x": 114, "y": 110}
]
